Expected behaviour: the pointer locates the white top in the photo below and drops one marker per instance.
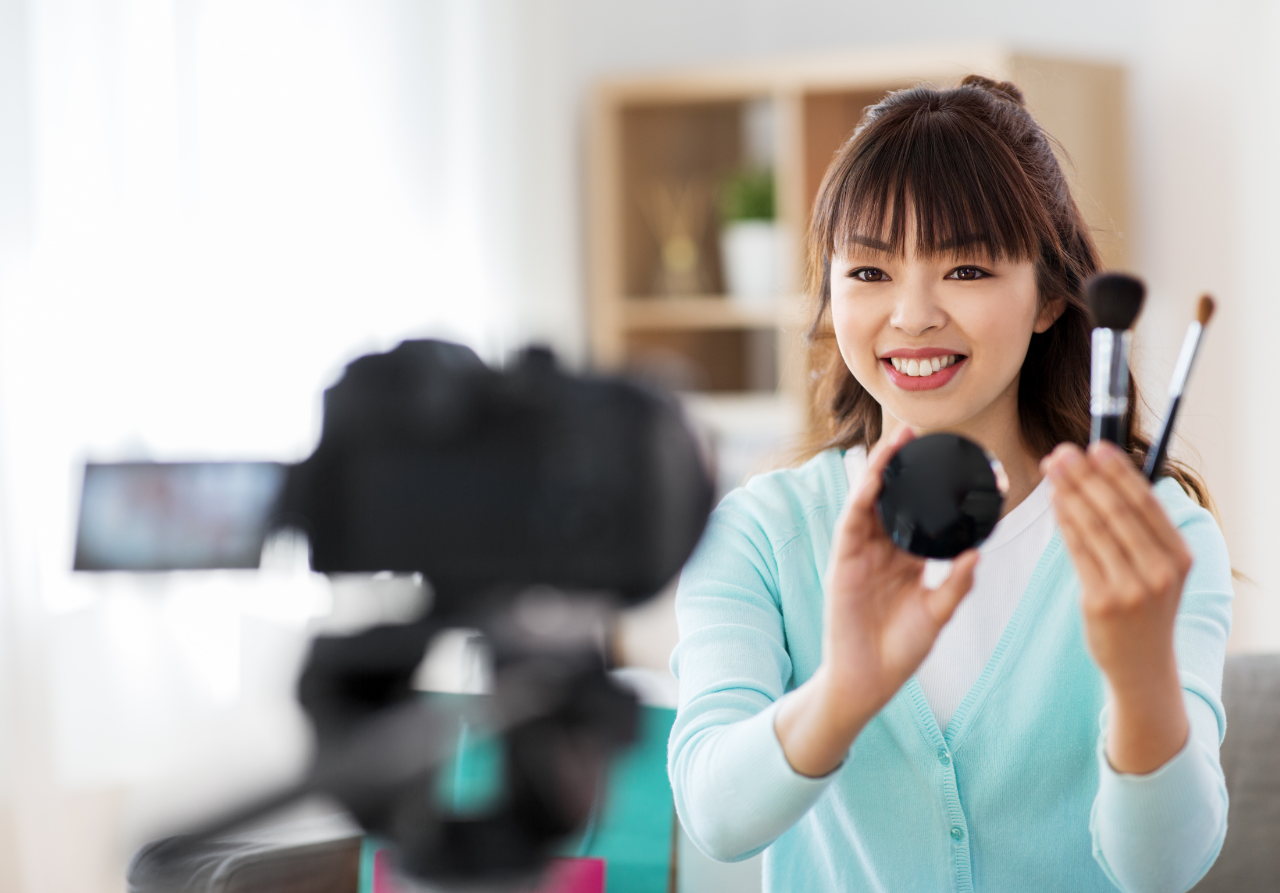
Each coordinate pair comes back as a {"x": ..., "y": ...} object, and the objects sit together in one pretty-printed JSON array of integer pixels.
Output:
[{"x": 1008, "y": 559}]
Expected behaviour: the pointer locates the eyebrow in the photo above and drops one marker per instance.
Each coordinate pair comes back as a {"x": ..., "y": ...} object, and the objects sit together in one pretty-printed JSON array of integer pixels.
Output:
[
  {"x": 869, "y": 242},
  {"x": 965, "y": 241}
]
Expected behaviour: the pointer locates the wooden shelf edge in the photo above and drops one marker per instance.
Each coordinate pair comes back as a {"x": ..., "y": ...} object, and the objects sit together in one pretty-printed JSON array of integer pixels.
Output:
[
  {"x": 857, "y": 69},
  {"x": 707, "y": 312}
]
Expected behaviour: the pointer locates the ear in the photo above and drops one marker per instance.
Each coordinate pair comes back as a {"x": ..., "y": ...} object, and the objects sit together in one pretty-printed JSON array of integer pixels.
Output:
[{"x": 1049, "y": 313}]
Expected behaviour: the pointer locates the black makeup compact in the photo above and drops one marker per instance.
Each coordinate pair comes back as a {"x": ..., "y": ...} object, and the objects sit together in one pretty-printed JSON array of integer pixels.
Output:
[{"x": 941, "y": 494}]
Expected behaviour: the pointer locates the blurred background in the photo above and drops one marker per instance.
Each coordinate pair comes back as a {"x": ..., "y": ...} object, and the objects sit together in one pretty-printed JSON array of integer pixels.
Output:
[{"x": 207, "y": 207}]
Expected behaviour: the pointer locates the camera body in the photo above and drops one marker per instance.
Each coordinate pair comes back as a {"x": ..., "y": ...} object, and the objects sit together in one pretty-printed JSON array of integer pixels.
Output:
[{"x": 486, "y": 480}]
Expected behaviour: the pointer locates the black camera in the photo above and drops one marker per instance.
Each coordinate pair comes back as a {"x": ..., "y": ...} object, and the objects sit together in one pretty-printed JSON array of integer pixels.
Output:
[{"x": 498, "y": 487}]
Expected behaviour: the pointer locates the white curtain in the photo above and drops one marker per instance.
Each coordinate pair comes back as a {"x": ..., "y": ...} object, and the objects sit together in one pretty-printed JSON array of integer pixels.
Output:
[{"x": 225, "y": 200}]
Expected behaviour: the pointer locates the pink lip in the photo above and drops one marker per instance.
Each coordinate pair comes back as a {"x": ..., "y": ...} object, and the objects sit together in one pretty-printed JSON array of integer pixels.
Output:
[{"x": 918, "y": 383}]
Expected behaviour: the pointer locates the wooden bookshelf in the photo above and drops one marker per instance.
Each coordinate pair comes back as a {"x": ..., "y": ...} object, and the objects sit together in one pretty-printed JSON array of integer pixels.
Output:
[{"x": 689, "y": 127}]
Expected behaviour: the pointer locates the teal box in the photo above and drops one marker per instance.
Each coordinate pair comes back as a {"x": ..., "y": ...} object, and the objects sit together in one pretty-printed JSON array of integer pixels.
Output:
[{"x": 632, "y": 828}]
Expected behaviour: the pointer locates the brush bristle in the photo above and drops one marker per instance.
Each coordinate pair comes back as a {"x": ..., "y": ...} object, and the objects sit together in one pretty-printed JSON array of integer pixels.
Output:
[
  {"x": 1205, "y": 311},
  {"x": 1114, "y": 299}
]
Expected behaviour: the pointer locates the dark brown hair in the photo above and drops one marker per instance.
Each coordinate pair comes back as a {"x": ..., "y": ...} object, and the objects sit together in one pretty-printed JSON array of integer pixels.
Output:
[{"x": 971, "y": 167}]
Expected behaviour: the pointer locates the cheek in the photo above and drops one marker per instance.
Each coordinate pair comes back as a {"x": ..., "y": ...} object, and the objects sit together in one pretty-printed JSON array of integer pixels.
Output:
[
  {"x": 1003, "y": 330},
  {"x": 855, "y": 334}
]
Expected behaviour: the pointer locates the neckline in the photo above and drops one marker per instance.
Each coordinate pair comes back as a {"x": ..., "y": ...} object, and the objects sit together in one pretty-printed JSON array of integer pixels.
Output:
[{"x": 1020, "y": 517}]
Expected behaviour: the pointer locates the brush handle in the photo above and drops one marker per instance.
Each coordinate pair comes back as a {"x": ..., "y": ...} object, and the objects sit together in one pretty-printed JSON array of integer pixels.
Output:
[
  {"x": 1181, "y": 372},
  {"x": 1109, "y": 385},
  {"x": 1160, "y": 446},
  {"x": 1107, "y": 427}
]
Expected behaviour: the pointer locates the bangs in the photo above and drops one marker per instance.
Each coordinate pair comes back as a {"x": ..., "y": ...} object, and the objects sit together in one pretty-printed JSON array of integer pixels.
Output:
[{"x": 936, "y": 180}]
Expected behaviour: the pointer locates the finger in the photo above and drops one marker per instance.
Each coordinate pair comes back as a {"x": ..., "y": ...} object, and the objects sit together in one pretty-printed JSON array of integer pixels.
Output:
[
  {"x": 944, "y": 600},
  {"x": 876, "y": 462},
  {"x": 903, "y": 572},
  {"x": 1091, "y": 531},
  {"x": 1154, "y": 567},
  {"x": 1091, "y": 573},
  {"x": 1158, "y": 562},
  {"x": 1061, "y": 454},
  {"x": 1126, "y": 478},
  {"x": 859, "y": 516},
  {"x": 1120, "y": 519}
]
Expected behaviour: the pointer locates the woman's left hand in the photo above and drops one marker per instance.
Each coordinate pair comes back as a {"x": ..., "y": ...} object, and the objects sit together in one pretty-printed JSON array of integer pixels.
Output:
[{"x": 1132, "y": 564}]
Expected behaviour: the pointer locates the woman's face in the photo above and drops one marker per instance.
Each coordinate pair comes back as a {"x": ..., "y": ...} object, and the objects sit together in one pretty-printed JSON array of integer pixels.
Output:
[{"x": 937, "y": 342}]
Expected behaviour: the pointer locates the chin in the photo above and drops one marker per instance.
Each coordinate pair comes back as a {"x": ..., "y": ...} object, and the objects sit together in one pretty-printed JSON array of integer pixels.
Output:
[{"x": 919, "y": 418}]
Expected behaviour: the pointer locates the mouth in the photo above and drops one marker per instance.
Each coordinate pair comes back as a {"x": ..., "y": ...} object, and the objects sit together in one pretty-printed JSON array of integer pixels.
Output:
[{"x": 923, "y": 373}]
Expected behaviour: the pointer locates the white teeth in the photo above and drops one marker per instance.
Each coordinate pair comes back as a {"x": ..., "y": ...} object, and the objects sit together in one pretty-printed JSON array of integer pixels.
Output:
[{"x": 923, "y": 368}]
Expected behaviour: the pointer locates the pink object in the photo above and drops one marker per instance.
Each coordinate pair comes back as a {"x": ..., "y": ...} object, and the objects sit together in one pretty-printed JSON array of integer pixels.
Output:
[
  {"x": 384, "y": 879},
  {"x": 574, "y": 876},
  {"x": 563, "y": 876}
]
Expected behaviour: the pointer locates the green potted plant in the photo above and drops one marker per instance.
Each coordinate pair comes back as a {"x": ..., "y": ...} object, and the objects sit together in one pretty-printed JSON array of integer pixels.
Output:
[{"x": 750, "y": 253}]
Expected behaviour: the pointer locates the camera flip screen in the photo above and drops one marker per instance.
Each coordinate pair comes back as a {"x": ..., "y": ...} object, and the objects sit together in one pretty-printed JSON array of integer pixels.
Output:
[{"x": 150, "y": 516}]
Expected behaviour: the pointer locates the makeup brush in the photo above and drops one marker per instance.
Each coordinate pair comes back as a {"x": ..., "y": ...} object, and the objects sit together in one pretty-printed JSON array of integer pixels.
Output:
[
  {"x": 1190, "y": 344},
  {"x": 1115, "y": 301}
]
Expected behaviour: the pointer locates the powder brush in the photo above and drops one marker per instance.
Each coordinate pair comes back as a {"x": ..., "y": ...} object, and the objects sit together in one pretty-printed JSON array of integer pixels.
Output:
[{"x": 1115, "y": 300}]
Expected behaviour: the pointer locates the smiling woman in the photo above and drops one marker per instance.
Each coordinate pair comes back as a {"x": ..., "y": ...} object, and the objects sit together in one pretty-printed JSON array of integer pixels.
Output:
[{"x": 868, "y": 729}]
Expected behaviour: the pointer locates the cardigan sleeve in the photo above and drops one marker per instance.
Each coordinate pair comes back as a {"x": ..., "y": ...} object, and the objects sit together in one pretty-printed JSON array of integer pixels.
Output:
[
  {"x": 1161, "y": 832},
  {"x": 734, "y": 790}
]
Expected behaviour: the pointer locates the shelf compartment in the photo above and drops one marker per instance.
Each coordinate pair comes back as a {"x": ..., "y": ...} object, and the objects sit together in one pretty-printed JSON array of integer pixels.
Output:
[
  {"x": 828, "y": 120},
  {"x": 675, "y": 156},
  {"x": 743, "y": 359}
]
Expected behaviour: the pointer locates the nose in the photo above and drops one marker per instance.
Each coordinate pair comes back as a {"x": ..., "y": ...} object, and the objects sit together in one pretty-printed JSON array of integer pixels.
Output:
[{"x": 917, "y": 310}]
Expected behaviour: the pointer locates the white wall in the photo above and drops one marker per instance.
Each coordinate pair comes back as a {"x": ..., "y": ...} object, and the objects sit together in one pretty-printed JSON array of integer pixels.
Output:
[{"x": 1206, "y": 186}]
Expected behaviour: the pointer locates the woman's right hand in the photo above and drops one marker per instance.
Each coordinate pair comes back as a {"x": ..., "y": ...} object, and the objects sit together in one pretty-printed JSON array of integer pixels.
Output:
[{"x": 879, "y": 623}]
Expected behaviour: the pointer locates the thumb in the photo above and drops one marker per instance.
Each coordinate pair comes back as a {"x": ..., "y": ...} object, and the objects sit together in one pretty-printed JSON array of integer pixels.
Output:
[{"x": 944, "y": 600}]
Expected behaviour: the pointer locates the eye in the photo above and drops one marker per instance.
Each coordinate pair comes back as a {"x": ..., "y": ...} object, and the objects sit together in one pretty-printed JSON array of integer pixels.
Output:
[
  {"x": 968, "y": 274},
  {"x": 869, "y": 274}
]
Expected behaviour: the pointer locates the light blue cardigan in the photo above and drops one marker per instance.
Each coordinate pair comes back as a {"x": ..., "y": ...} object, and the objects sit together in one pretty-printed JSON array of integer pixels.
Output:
[{"x": 1017, "y": 796}]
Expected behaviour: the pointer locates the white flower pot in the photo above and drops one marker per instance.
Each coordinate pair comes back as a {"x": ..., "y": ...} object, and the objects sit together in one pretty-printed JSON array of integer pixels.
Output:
[{"x": 751, "y": 258}]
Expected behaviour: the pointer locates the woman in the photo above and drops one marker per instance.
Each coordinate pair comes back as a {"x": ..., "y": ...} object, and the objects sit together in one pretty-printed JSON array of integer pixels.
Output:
[{"x": 1048, "y": 717}]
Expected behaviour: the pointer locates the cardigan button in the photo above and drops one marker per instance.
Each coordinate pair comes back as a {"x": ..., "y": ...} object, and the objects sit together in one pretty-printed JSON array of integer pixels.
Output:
[
  {"x": 957, "y": 834},
  {"x": 943, "y": 757}
]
